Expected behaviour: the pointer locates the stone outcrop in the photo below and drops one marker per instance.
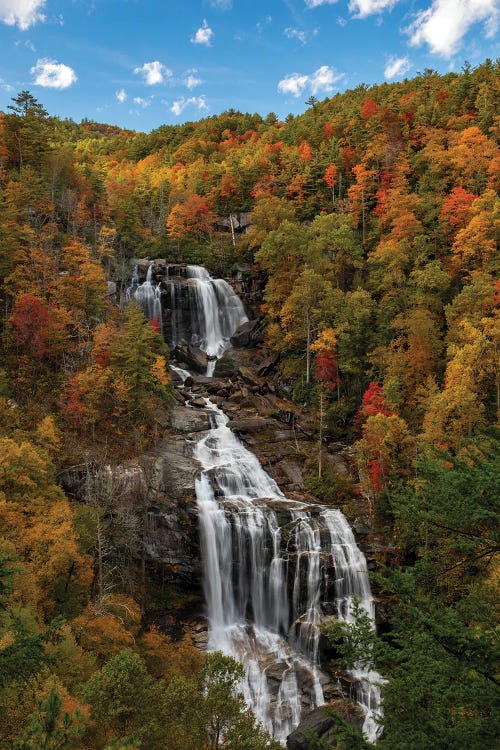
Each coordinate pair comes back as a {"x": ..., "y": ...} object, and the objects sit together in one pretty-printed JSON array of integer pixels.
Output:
[
  {"x": 277, "y": 431},
  {"x": 187, "y": 419},
  {"x": 191, "y": 357},
  {"x": 169, "y": 474},
  {"x": 251, "y": 424},
  {"x": 240, "y": 222},
  {"x": 247, "y": 333},
  {"x": 321, "y": 721}
]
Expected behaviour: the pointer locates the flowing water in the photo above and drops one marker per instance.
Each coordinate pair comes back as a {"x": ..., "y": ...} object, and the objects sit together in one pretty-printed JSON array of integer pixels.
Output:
[
  {"x": 191, "y": 308},
  {"x": 273, "y": 567},
  {"x": 147, "y": 295},
  {"x": 216, "y": 311},
  {"x": 256, "y": 547},
  {"x": 351, "y": 580}
]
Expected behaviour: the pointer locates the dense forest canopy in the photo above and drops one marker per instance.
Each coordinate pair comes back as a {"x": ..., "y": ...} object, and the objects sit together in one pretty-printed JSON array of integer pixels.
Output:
[{"x": 374, "y": 223}]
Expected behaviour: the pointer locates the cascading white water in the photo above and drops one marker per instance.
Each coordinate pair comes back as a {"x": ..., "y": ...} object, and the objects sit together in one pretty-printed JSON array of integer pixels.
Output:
[
  {"x": 246, "y": 578},
  {"x": 257, "y": 546},
  {"x": 180, "y": 371},
  {"x": 351, "y": 582},
  {"x": 254, "y": 541},
  {"x": 203, "y": 311},
  {"x": 147, "y": 295},
  {"x": 217, "y": 311}
]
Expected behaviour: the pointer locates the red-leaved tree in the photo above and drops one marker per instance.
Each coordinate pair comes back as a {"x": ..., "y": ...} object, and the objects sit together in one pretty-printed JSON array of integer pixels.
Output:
[
  {"x": 373, "y": 402},
  {"x": 38, "y": 327},
  {"x": 327, "y": 371}
]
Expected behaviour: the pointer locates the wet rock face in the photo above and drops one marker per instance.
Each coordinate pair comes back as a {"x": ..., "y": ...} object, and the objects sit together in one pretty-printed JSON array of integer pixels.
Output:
[
  {"x": 163, "y": 492},
  {"x": 191, "y": 357},
  {"x": 195, "y": 310},
  {"x": 276, "y": 673},
  {"x": 173, "y": 470}
]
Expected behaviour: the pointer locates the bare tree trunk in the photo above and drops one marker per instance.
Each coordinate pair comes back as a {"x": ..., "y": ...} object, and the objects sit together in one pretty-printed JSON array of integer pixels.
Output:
[
  {"x": 232, "y": 229},
  {"x": 94, "y": 216},
  {"x": 498, "y": 398}
]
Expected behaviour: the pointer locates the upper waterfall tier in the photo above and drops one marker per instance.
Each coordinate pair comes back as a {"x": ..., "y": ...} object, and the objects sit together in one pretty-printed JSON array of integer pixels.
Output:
[
  {"x": 273, "y": 568},
  {"x": 191, "y": 306}
]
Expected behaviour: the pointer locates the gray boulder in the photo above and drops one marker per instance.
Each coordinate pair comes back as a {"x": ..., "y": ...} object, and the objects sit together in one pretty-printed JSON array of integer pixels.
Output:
[
  {"x": 318, "y": 721},
  {"x": 192, "y": 357},
  {"x": 243, "y": 334},
  {"x": 185, "y": 420}
]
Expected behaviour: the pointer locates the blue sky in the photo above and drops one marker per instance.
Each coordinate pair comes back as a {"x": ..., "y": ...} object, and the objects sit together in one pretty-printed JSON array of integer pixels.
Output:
[{"x": 143, "y": 63}]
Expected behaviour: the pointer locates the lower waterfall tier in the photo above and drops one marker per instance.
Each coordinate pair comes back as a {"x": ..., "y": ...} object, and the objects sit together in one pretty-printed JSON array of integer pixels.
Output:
[{"x": 273, "y": 570}]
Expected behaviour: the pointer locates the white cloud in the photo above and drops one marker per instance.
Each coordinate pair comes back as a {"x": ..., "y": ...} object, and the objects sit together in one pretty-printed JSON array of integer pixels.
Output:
[
  {"x": 5, "y": 86},
  {"x": 317, "y": 3},
  {"x": 296, "y": 34},
  {"x": 21, "y": 13},
  {"x": 142, "y": 102},
  {"x": 180, "y": 105},
  {"x": 396, "y": 66},
  {"x": 121, "y": 95},
  {"x": 321, "y": 81},
  {"x": 53, "y": 75},
  {"x": 222, "y": 4},
  {"x": 444, "y": 25},
  {"x": 364, "y": 8},
  {"x": 293, "y": 84},
  {"x": 341, "y": 21},
  {"x": 192, "y": 80},
  {"x": 204, "y": 35},
  {"x": 153, "y": 72}
]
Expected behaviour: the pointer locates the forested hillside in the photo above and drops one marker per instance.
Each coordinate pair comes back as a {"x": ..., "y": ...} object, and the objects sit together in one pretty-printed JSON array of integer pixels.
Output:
[{"x": 370, "y": 225}]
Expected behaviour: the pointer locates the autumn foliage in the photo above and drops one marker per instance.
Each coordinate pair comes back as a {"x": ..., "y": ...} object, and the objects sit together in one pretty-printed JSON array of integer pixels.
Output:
[
  {"x": 373, "y": 402},
  {"x": 39, "y": 328},
  {"x": 365, "y": 234}
]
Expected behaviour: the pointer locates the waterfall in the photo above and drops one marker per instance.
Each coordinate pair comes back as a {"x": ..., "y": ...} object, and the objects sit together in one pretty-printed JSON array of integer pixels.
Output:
[
  {"x": 194, "y": 308},
  {"x": 180, "y": 371},
  {"x": 216, "y": 311},
  {"x": 254, "y": 541},
  {"x": 273, "y": 567},
  {"x": 352, "y": 581},
  {"x": 147, "y": 295}
]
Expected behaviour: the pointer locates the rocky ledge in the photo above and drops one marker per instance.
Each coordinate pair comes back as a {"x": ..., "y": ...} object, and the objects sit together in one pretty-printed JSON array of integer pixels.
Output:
[{"x": 323, "y": 723}]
